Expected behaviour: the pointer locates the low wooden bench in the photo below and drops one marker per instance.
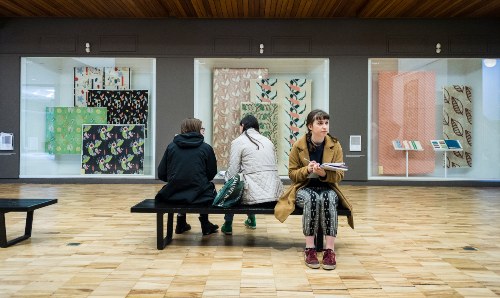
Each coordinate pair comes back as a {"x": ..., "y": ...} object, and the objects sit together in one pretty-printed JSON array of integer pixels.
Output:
[
  {"x": 20, "y": 205},
  {"x": 160, "y": 208}
]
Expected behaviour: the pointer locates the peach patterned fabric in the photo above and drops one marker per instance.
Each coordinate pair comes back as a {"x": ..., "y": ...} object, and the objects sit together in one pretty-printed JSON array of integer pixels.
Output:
[
  {"x": 294, "y": 99},
  {"x": 296, "y": 104},
  {"x": 231, "y": 87},
  {"x": 457, "y": 124},
  {"x": 406, "y": 111}
]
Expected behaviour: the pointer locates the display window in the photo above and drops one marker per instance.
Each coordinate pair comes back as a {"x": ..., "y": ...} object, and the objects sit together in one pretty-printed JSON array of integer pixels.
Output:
[
  {"x": 434, "y": 119},
  {"x": 279, "y": 92},
  {"x": 87, "y": 117}
]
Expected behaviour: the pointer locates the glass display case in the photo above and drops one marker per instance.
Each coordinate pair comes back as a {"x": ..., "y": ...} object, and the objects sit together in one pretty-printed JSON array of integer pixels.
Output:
[
  {"x": 87, "y": 117},
  {"x": 431, "y": 101},
  {"x": 280, "y": 92}
]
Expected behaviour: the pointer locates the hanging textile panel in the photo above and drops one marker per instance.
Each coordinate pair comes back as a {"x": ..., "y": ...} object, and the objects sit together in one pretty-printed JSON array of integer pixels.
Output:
[
  {"x": 64, "y": 127},
  {"x": 457, "y": 124},
  {"x": 124, "y": 106},
  {"x": 116, "y": 78},
  {"x": 231, "y": 87},
  {"x": 406, "y": 111},
  {"x": 98, "y": 78},
  {"x": 113, "y": 149},
  {"x": 294, "y": 97},
  {"x": 264, "y": 90},
  {"x": 267, "y": 115},
  {"x": 296, "y": 106},
  {"x": 86, "y": 78}
]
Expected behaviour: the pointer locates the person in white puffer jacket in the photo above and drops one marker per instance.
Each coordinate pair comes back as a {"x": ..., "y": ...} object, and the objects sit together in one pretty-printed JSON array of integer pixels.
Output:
[{"x": 253, "y": 156}]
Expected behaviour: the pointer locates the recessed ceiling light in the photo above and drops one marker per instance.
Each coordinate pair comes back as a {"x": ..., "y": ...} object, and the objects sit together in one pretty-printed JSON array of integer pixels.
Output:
[{"x": 490, "y": 62}]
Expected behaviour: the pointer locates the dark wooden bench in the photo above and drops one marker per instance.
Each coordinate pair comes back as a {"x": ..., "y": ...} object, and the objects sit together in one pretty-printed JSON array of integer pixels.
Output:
[
  {"x": 160, "y": 208},
  {"x": 20, "y": 205}
]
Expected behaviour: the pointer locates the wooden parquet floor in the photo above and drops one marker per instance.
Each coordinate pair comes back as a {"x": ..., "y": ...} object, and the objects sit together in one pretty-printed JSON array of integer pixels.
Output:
[{"x": 408, "y": 242}]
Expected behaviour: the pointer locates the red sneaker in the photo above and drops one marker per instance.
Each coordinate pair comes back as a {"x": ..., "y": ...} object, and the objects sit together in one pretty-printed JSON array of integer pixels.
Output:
[
  {"x": 310, "y": 258},
  {"x": 329, "y": 262}
]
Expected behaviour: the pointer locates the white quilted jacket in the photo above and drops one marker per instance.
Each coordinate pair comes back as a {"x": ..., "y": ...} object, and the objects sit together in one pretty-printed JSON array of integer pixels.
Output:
[{"x": 258, "y": 168}]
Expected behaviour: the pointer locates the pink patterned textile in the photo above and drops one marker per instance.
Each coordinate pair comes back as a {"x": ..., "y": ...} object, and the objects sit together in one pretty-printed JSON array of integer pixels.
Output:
[
  {"x": 231, "y": 87},
  {"x": 406, "y": 111}
]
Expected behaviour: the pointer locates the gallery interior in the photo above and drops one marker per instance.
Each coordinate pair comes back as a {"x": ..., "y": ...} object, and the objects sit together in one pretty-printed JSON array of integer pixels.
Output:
[{"x": 94, "y": 91}]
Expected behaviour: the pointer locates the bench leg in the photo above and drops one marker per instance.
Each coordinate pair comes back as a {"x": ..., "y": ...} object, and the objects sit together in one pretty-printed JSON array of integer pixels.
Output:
[
  {"x": 162, "y": 241},
  {"x": 3, "y": 230},
  {"x": 318, "y": 241}
]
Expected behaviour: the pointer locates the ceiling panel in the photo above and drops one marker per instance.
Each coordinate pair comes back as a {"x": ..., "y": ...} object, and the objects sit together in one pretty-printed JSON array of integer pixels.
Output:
[{"x": 259, "y": 9}]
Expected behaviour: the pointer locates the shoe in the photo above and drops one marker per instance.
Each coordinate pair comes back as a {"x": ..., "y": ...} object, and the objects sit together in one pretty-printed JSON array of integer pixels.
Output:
[
  {"x": 182, "y": 226},
  {"x": 250, "y": 222},
  {"x": 227, "y": 228},
  {"x": 311, "y": 258},
  {"x": 329, "y": 262},
  {"x": 207, "y": 227}
]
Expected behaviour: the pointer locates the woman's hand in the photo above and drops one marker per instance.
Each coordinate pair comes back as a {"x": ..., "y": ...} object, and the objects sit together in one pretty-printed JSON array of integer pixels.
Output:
[
  {"x": 310, "y": 166},
  {"x": 316, "y": 169}
]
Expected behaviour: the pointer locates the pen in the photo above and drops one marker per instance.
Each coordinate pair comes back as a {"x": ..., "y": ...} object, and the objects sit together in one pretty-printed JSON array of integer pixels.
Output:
[{"x": 308, "y": 160}]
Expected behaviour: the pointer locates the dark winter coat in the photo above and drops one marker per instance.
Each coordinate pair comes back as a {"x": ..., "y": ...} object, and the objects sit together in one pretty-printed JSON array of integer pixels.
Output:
[{"x": 188, "y": 166}]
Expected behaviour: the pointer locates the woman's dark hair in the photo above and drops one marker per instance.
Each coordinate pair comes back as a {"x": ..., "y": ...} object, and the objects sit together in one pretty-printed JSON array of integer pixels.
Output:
[
  {"x": 311, "y": 117},
  {"x": 190, "y": 125},
  {"x": 316, "y": 115},
  {"x": 249, "y": 121}
]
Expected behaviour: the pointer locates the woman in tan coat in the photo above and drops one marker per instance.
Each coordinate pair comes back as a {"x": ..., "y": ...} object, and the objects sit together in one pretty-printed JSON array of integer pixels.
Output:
[{"x": 315, "y": 189}]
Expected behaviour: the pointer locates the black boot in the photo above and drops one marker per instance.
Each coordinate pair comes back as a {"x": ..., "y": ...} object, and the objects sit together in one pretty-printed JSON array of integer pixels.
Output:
[
  {"x": 182, "y": 226},
  {"x": 207, "y": 227}
]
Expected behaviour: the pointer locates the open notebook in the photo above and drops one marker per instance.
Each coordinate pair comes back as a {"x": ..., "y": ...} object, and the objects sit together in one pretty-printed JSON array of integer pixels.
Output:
[{"x": 334, "y": 166}]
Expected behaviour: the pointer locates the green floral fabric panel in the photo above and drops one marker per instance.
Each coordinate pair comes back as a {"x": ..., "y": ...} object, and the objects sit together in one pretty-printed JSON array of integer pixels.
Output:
[
  {"x": 64, "y": 127},
  {"x": 267, "y": 115}
]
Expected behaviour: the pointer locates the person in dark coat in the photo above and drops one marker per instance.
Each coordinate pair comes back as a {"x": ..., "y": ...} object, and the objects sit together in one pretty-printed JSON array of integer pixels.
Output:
[{"x": 188, "y": 166}]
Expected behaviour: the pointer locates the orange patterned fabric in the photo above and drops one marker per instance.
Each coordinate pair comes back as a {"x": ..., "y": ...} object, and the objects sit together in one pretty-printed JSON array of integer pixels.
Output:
[
  {"x": 406, "y": 111},
  {"x": 457, "y": 124},
  {"x": 294, "y": 99},
  {"x": 231, "y": 87}
]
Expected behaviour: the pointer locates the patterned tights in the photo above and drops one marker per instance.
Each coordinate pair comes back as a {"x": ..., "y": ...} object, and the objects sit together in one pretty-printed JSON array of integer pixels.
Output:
[{"x": 320, "y": 206}]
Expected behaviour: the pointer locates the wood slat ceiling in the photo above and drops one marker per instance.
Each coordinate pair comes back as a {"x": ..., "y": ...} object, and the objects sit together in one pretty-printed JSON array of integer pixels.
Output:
[{"x": 258, "y": 9}]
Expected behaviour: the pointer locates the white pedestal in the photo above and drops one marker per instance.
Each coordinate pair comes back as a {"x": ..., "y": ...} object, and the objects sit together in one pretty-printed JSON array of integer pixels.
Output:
[
  {"x": 407, "y": 145},
  {"x": 444, "y": 146},
  {"x": 445, "y": 158},
  {"x": 406, "y": 155}
]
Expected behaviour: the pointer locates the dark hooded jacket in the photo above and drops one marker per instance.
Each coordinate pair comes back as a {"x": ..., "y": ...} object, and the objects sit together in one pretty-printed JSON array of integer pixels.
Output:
[{"x": 188, "y": 166}]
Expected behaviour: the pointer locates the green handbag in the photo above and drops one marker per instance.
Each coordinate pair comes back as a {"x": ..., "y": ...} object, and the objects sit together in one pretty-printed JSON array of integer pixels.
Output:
[{"x": 230, "y": 194}]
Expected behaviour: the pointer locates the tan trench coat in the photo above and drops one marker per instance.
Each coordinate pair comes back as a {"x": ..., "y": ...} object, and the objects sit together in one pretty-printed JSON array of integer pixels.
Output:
[{"x": 297, "y": 171}]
